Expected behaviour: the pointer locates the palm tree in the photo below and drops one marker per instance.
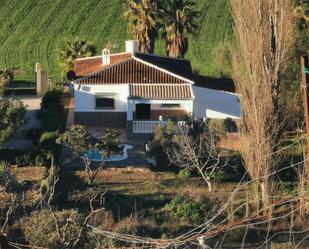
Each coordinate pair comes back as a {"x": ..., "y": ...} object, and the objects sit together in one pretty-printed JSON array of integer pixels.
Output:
[
  {"x": 73, "y": 50},
  {"x": 142, "y": 17},
  {"x": 178, "y": 19}
]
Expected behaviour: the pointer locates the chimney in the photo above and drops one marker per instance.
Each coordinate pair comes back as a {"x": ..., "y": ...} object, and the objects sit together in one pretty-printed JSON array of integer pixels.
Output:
[
  {"x": 132, "y": 46},
  {"x": 106, "y": 57}
]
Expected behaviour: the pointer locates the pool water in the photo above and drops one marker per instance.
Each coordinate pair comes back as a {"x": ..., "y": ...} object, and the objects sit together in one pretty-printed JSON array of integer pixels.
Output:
[{"x": 95, "y": 155}]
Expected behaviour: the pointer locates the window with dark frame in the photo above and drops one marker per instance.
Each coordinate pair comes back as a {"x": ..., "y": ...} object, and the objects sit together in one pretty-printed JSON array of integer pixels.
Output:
[
  {"x": 104, "y": 101},
  {"x": 172, "y": 105}
]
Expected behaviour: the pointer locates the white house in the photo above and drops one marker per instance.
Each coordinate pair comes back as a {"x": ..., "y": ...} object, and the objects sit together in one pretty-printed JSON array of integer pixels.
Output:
[
  {"x": 137, "y": 91},
  {"x": 132, "y": 89},
  {"x": 216, "y": 104}
]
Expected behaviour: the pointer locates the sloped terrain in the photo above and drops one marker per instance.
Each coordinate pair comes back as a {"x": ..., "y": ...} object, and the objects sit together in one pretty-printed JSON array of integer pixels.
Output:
[{"x": 33, "y": 31}]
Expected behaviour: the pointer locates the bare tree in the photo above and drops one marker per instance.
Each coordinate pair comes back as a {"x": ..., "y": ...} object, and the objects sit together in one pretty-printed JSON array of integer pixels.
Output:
[
  {"x": 264, "y": 31},
  {"x": 200, "y": 153},
  {"x": 63, "y": 231}
]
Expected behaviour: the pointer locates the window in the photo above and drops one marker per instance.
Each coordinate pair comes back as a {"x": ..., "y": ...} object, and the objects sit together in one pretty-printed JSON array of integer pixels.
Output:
[
  {"x": 105, "y": 101},
  {"x": 170, "y": 105}
]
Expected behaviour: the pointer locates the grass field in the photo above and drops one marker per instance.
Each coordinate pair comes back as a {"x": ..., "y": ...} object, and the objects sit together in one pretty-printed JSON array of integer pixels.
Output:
[{"x": 33, "y": 31}]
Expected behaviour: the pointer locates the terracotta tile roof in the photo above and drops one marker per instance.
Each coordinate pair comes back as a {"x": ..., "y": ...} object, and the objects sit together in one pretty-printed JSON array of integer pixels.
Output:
[
  {"x": 161, "y": 91},
  {"x": 131, "y": 70},
  {"x": 86, "y": 66}
]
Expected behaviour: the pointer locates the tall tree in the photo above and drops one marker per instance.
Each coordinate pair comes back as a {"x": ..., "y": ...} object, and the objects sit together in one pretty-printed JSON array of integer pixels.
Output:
[
  {"x": 142, "y": 17},
  {"x": 179, "y": 21},
  {"x": 73, "y": 50},
  {"x": 264, "y": 31}
]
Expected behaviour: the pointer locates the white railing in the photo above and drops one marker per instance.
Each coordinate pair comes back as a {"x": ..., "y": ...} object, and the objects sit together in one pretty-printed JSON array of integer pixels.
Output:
[{"x": 146, "y": 126}]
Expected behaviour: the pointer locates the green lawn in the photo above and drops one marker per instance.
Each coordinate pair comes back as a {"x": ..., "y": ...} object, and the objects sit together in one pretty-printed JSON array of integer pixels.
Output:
[{"x": 33, "y": 31}]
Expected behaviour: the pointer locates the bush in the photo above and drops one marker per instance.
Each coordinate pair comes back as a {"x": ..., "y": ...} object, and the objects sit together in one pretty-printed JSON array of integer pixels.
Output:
[
  {"x": 52, "y": 111},
  {"x": 24, "y": 160},
  {"x": 185, "y": 174},
  {"x": 161, "y": 142},
  {"x": 41, "y": 160},
  {"x": 39, "y": 228},
  {"x": 217, "y": 127},
  {"x": 284, "y": 245},
  {"x": 185, "y": 209},
  {"x": 8, "y": 181},
  {"x": 49, "y": 146}
]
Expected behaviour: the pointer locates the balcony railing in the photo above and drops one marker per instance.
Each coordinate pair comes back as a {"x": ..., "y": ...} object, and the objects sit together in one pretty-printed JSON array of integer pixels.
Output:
[{"x": 146, "y": 126}]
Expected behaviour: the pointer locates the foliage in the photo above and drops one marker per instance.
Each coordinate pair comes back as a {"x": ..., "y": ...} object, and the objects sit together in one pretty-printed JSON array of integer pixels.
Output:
[
  {"x": 6, "y": 76},
  {"x": 40, "y": 229},
  {"x": 24, "y": 160},
  {"x": 12, "y": 112},
  {"x": 301, "y": 11},
  {"x": 48, "y": 184},
  {"x": 185, "y": 209},
  {"x": 217, "y": 127},
  {"x": 41, "y": 160},
  {"x": 110, "y": 143},
  {"x": 184, "y": 174},
  {"x": 142, "y": 22},
  {"x": 52, "y": 111},
  {"x": 162, "y": 140},
  {"x": 48, "y": 144},
  {"x": 179, "y": 21},
  {"x": 78, "y": 139},
  {"x": 73, "y": 50},
  {"x": 7, "y": 180}
]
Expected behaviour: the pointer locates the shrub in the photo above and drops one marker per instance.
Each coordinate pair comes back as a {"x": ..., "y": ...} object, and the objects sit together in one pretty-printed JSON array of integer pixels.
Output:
[
  {"x": 8, "y": 181},
  {"x": 41, "y": 160},
  {"x": 24, "y": 160},
  {"x": 49, "y": 146},
  {"x": 185, "y": 209},
  {"x": 222, "y": 176},
  {"x": 52, "y": 111},
  {"x": 161, "y": 142},
  {"x": 185, "y": 174},
  {"x": 217, "y": 127},
  {"x": 285, "y": 245},
  {"x": 40, "y": 229},
  {"x": 125, "y": 226}
]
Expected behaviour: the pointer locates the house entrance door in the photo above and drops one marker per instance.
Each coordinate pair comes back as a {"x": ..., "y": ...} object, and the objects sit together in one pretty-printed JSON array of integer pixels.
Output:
[{"x": 142, "y": 111}]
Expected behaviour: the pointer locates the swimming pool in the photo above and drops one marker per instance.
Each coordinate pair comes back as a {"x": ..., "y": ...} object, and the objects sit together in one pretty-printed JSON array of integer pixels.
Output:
[{"x": 95, "y": 155}]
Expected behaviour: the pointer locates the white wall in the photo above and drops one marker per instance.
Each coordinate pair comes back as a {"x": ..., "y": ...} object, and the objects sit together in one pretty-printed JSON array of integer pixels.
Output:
[
  {"x": 217, "y": 104},
  {"x": 85, "y": 97}
]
